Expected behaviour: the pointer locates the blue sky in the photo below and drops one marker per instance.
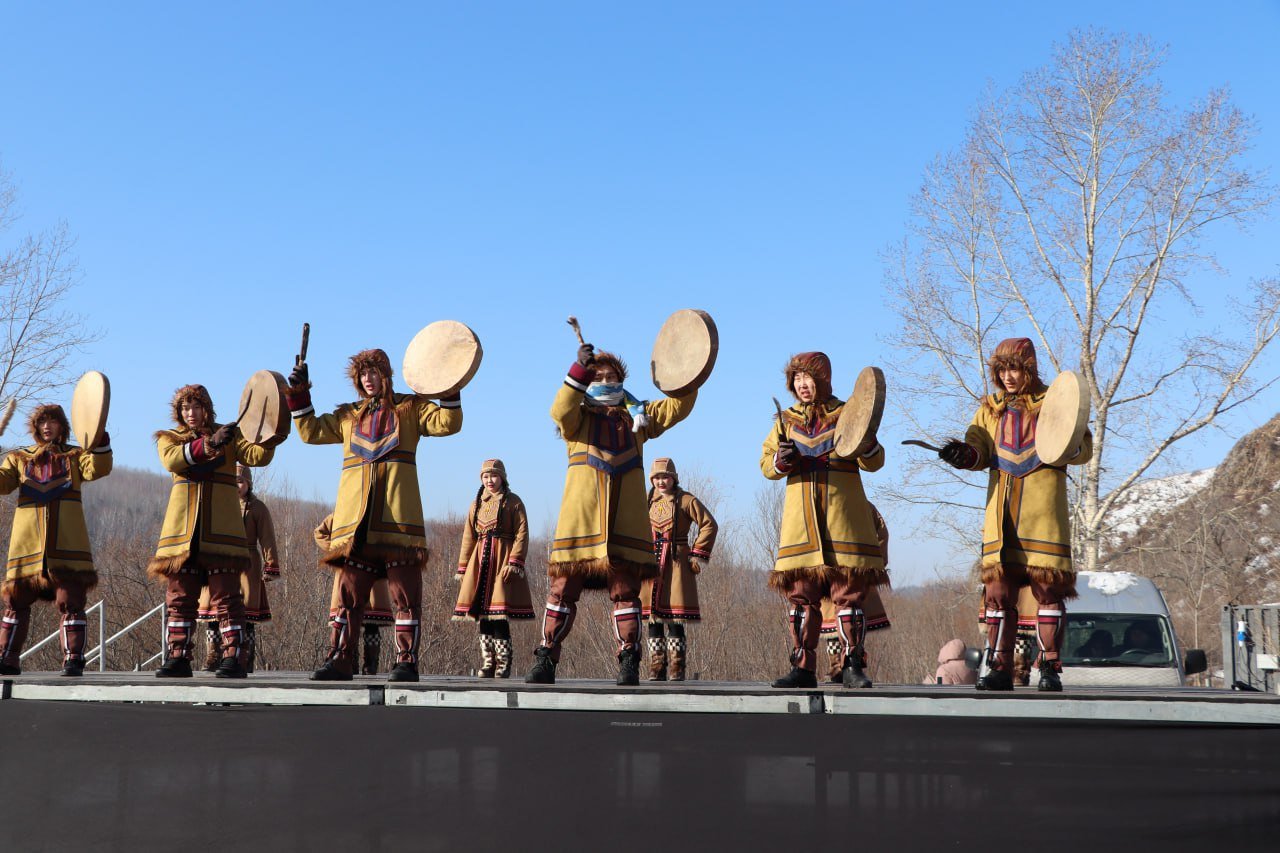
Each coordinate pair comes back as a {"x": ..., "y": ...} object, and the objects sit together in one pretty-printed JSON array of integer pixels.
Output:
[{"x": 231, "y": 171}]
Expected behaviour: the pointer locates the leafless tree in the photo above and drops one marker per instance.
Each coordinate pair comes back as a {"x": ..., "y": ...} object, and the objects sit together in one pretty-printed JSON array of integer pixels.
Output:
[
  {"x": 1077, "y": 209},
  {"x": 39, "y": 334}
]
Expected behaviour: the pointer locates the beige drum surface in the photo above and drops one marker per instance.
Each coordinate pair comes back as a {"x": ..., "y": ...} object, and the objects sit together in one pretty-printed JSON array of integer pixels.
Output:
[
  {"x": 1063, "y": 418},
  {"x": 89, "y": 407},
  {"x": 860, "y": 417},
  {"x": 264, "y": 415},
  {"x": 684, "y": 352},
  {"x": 442, "y": 358}
]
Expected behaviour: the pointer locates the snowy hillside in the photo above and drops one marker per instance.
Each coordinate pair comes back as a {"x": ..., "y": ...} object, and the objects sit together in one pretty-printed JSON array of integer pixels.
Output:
[{"x": 1157, "y": 496}]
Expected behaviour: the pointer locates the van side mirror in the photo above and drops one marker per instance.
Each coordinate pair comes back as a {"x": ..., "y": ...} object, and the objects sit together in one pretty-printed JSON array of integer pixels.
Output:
[
  {"x": 1195, "y": 662},
  {"x": 973, "y": 659}
]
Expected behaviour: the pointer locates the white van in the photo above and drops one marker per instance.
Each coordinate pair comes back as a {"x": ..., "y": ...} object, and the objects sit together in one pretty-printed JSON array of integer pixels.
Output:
[{"x": 1119, "y": 635}]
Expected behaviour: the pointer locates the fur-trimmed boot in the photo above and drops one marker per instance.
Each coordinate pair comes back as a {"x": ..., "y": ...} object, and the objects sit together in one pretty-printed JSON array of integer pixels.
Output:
[
  {"x": 371, "y": 643},
  {"x": 657, "y": 658},
  {"x": 213, "y": 642},
  {"x": 676, "y": 651},
  {"x": 487, "y": 662},
  {"x": 250, "y": 645},
  {"x": 502, "y": 657},
  {"x": 835, "y": 657}
]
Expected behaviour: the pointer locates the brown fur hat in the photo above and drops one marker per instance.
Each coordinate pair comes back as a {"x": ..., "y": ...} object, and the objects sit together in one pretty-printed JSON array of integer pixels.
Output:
[
  {"x": 49, "y": 410},
  {"x": 197, "y": 393},
  {"x": 375, "y": 358},
  {"x": 817, "y": 365},
  {"x": 608, "y": 359},
  {"x": 1020, "y": 354}
]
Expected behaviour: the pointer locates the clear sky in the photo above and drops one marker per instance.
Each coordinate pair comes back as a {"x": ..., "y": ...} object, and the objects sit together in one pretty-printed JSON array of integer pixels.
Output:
[{"x": 233, "y": 169}]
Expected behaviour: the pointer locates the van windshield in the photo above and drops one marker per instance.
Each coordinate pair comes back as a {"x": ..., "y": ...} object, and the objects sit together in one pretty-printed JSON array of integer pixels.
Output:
[{"x": 1117, "y": 640}]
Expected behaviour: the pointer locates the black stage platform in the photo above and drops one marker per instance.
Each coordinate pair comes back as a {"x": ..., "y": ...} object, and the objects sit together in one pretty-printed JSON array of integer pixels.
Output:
[{"x": 126, "y": 762}]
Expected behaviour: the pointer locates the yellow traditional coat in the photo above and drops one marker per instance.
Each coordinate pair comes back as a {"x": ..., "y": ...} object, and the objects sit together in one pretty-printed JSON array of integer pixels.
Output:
[
  {"x": 827, "y": 522},
  {"x": 379, "y": 482},
  {"x": 495, "y": 536},
  {"x": 49, "y": 534},
  {"x": 673, "y": 594},
  {"x": 204, "y": 506},
  {"x": 604, "y": 518},
  {"x": 1028, "y": 520}
]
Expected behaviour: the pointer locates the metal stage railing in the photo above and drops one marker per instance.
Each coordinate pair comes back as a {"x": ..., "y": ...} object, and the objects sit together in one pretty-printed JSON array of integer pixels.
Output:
[{"x": 104, "y": 642}]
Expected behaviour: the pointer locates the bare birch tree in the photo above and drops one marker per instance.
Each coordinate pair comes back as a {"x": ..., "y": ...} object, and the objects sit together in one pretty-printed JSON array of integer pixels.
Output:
[
  {"x": 1076, "y": 212},
  {"x": 39, "y": 334}
]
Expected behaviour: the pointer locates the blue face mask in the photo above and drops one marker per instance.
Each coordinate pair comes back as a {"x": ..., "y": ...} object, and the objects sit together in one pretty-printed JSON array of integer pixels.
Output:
[{"x": 606, "y": 393}]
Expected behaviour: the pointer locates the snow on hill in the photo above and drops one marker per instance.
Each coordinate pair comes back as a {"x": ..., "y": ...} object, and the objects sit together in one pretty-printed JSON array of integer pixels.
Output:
[{"x": 1156, "y": 496}]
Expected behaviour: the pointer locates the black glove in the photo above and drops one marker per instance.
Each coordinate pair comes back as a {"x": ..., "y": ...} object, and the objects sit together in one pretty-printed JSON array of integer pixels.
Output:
[
  {"x": 957, "y": 454},
  {"x": 299, "y": 376},
  {"x": 586, "y": 355},
  {"x": 787, "y": 453},
  {"x": 221, "y": 436}
]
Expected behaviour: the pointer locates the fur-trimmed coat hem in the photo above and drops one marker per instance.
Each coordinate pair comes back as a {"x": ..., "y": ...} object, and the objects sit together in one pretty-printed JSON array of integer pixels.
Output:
[
  {"x": 46, "y": 585},
  {"x": 597, "y": 570},
  {"x": 1063, "y": 579},
  {"x": 336, "y": 558},
  {"x": 163, "y": 567},
  {"x": 783, "y": 580}
]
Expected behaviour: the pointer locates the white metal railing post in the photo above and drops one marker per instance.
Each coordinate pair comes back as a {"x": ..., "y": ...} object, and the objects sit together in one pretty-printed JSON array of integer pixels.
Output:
[
  {"x": 102, "y": 636},
  {"x": 106, "y": 642}
]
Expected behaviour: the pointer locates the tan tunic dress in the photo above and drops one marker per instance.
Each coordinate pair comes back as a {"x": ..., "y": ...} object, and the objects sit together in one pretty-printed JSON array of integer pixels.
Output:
[
  {"x": 495, "y": 537},
  {"x": 260, "y": 534},
  {"x": 673, "y": 594}
]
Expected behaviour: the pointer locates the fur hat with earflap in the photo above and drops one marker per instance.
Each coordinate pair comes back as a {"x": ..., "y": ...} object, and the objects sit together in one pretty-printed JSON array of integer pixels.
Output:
[
  {"x": 370, "y": 358},
  {"x": 193, "y": 394},
  {"x": 818, "y": 366},
  {"x": 1018, "y": 354},
  {"x": 55, "y": 412}
]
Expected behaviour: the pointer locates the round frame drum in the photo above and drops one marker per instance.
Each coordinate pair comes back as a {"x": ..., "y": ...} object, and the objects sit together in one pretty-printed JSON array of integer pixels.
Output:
[
  {"x": 684, "y": 352},
  {"x": 264, "y": 415},
  {"x": 860, "y": 417},
  {"x": 442, "y": 358},
  {"x": 89, "y": 407},
  {"x": 1063, "y": 418}
]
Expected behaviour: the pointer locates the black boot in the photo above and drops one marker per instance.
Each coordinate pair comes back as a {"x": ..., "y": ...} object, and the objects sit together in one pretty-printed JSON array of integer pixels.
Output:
[
  {"x": 174, "y": 668},
  {"x": 6, "y": 669},
  {"x": 543, "y": 670},
  {"x": 853, "y": 675},
  {"x": 230, "y": 667},
  {"x": 628, "y": 667},
  {"x": 73, "y": 668},
  {"x": 403, "y": 671},
  {"x": 996, "y": 679},
  {"x": 1050, "y": 681},
  {"x": 797, "y": 677},
  {"x": 330, "y": 672}
]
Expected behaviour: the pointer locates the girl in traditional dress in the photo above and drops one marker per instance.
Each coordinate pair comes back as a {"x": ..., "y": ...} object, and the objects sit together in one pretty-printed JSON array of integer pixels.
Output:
[
  {"x": 671, "y": 599},
  {"x": 492, "y": 585}
]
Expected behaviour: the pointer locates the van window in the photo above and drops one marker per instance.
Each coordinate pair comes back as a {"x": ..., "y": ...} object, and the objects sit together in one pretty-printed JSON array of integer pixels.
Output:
[{"x": 1117, "y": 640}]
